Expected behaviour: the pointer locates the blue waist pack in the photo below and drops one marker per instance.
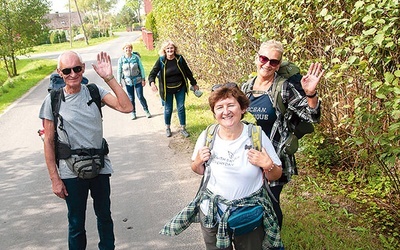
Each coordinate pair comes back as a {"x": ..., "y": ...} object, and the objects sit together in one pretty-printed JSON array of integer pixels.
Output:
[{"x": 243, "y": 220}]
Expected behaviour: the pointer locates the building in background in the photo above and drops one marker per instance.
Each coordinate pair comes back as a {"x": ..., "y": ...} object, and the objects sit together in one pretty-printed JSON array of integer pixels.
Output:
[{"x": 60, "y": 21}]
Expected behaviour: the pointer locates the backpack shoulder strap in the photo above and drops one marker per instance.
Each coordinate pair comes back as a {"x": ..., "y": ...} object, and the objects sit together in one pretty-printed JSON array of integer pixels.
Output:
[
  {"x": 56, "y": 97},
  {"x": 254, "y": 133},
  {"x": 210, "y": 135},
  {"x": 95, "y": 94},
  {"x": 209, "y": 142},
  {"x": 276, "y": 94},
  {"x": 136, "y": 53},
  {"x": 248, "y": 86},
  {"x": 256, "y": 137}
]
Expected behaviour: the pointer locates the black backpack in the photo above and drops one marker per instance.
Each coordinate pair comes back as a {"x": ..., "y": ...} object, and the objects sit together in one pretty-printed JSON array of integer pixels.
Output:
[{"x": 57, "y": 96}]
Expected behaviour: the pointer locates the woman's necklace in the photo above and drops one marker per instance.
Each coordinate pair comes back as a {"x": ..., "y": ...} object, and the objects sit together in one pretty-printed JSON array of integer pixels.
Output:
[{"x": 261, "y": 87}]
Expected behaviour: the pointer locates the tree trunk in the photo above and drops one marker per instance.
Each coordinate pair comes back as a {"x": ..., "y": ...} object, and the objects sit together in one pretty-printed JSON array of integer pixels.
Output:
[
  {"x": 83, "y": 27},
  {"x": 14, "y": 65},
  {"x": 6, "y": 65}
]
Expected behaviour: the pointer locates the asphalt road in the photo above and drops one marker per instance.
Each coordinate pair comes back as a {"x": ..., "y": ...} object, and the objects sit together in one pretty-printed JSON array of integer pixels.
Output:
[{"x": 152, "y": 179}]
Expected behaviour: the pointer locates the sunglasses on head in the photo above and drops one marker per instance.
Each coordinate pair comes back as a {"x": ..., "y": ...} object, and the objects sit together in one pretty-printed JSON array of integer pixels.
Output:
[
  {"x": 272, "y": 62},
  {"x": 225, "y": 85},
  {"x": 67, "y": 71}
]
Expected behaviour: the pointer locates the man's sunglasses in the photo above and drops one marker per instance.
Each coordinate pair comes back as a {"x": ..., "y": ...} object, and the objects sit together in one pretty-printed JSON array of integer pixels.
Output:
[
  {"x": 264, "y": 60},
  {"x": 225, "y": 85},
  {"x": 67, "y": 71}
]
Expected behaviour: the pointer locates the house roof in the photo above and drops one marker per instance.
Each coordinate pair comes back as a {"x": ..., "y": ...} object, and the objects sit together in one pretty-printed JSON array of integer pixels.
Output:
[{"x": 60, "y": 20}]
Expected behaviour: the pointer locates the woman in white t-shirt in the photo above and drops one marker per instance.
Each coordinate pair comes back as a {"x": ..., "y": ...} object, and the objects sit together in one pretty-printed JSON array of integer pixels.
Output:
[
  {"x": 236, "y": 170},
  {"x": 233, "y": 180}
]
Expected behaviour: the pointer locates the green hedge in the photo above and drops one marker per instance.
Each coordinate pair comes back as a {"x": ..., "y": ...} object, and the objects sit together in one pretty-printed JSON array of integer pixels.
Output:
[
  {"x": 357, "y": 41},
  {"x": 358, "y": 44}
]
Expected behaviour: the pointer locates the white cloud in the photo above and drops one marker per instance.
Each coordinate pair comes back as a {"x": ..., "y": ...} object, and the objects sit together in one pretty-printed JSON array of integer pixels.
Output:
[{"x": 60, "y": 5}]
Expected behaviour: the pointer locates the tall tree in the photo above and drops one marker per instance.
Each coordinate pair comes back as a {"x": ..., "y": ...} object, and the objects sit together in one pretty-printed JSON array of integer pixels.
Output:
[
  {"x": 21, "y": 23},
  {"x": 83, "y": 26},
  {"x": 135, "y": 5},
  {"x": 96, "y": 10},
  {"x": 127, "y": 17}
]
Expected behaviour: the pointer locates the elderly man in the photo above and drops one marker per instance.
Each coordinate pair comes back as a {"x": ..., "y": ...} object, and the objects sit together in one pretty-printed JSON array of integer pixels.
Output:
[{"x": 74, "y": 142}]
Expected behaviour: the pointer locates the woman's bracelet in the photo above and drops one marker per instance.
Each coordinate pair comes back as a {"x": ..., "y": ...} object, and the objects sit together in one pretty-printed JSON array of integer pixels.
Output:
[
  {"x": 273, "y": 166},
  {"x": 313, "y": 95},
  {"x": 108, "y": 78}
]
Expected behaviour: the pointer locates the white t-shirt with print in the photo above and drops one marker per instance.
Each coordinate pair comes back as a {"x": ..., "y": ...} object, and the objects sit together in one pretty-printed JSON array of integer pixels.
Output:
[{"x": 232, "y": 175}]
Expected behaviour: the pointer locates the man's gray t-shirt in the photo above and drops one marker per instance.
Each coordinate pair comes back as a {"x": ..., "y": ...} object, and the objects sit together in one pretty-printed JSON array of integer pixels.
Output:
[{"x": 82, "y": 123}]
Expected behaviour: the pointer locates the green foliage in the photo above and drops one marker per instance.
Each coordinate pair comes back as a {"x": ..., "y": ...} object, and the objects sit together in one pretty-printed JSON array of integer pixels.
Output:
[
  {"x": 151, "y": 25},
  {"x": 127, "y": 17},
  {"x": 320, "y": 151},
  {"x": 317, "y": 218},
  {"x": 21, "y": 23},
  {"x": 57, "y": 36}
]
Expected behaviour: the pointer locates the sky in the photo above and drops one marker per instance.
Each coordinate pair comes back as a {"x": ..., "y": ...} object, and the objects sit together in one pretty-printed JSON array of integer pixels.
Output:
[{"x": 59, "y": 5}]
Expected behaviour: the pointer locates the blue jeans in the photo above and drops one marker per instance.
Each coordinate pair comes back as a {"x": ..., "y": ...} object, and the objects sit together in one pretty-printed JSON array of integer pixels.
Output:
[
  {"x": 78, "y": 190},
  {"x": 139, "y": 92},
  {"x": 180, "y": 106},
  {"x": 276, "y": 191}
]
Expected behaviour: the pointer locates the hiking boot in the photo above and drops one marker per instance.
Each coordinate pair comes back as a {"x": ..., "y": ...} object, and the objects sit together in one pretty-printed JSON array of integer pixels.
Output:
[
  {"x": 133, "y": 115},
  {"x": 184, "y": 133},
  {"x": 148, "y": 115},
  {"x": 168, "y": 132}
]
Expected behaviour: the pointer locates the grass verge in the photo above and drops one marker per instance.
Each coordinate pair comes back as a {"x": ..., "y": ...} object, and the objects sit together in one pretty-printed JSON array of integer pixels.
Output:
[{"x": 30, "y": 73}]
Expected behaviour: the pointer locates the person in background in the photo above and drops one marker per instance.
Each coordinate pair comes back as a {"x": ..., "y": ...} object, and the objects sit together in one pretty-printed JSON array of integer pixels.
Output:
[
  {"x": 233, "y": 177},
  {"x": 131, "y": 73},
  {"x": 81, "y": 128},
  {"x": 173, "y": 73},
  {"x": 307, "y": 107}
]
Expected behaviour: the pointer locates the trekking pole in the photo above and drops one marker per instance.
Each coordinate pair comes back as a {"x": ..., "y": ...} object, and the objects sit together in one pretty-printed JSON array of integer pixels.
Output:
[{"x": 41, "y": 133}]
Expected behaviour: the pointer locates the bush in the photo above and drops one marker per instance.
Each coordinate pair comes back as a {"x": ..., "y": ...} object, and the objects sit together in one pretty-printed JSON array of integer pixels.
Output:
[
  {"x": 57, "y": 36},
  {"x": 151, "y": 25}
]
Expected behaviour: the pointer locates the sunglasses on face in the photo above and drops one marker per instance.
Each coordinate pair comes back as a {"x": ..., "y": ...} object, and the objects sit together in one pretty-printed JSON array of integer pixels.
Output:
[
  {"x": 272, "y": 62},
  {"x": 67, "y": 71},
  {"x": 225, "y": 85}
]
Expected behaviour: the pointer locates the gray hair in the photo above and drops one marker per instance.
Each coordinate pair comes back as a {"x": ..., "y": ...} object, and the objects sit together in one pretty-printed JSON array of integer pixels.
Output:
[
  {"x": 272, "y": 45},
  {"x": 127, "y": 45},
  {"x": 65, "y": 53}
]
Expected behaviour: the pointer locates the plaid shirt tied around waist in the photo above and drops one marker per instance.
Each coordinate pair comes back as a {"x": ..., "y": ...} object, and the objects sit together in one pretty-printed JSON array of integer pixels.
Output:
[{"x": 190, "y": 214}]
